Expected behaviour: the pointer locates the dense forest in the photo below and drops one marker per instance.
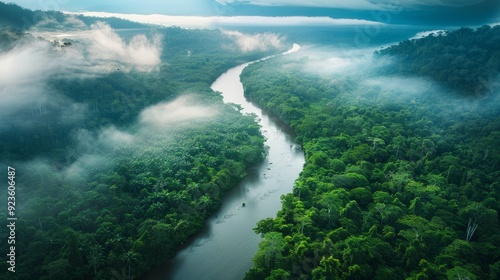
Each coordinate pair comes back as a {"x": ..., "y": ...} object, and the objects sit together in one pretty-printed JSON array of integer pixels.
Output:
[
  {"x": 466, "y": 60},
  {"x": 119, "y": 163},
  {"x": 401, "y": 179},
  {"x": 115, "y": 169}
]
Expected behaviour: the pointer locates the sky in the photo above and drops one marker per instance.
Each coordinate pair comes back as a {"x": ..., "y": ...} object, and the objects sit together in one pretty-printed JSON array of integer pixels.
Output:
[{"x": 439, "y": 12}]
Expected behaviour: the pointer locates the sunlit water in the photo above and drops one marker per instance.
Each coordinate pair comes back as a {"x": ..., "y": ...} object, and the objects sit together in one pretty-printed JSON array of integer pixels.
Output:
[{"x": 225, "y": 248}]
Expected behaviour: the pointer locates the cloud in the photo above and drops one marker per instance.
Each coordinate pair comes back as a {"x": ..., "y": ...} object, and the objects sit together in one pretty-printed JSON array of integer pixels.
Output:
[
  {"x": 424, "y": 34},
  {"x": 260, "y": 42},
  {"x": 98, "y": 51},
  {"x": 357, "y": 73},
  {"x": 181, "y": 110},
  {"x": 290, "y": 21},
  {"x": 26, "y": 69},
  {"x": 101, "y": 48},
  {"x": 157, "y": 130},
  {"x": 114, "y": 138},
  {"x": 106, "y": 45},
  {"x": 84, "y": 166},
  {"x": 362, "y": 4},
  {"x": 295, "y": 48},
  {"x": 223, "y": 21},
  {"x": 401, "y": 89},
  {"x": 361, "y": 70},
  {"x": 325, "y": 61},
  {"x": 415, "y": 91},
  {"x": 156, "y": 126},
  {"x": 73, "y": 112},
  {"x": 31, "y": 63},
  {"x": 23, "y": 73}
]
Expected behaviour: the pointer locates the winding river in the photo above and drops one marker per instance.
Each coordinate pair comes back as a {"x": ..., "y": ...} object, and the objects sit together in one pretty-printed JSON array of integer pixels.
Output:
[{"x": 225, "y": 248}]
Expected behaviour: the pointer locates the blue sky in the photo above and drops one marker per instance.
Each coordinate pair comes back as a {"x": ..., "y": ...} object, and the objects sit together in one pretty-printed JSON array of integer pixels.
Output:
[{"x": 396, "y": 11}]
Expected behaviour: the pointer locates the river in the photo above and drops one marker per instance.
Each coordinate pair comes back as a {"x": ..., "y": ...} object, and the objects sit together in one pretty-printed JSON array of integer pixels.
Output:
[{"x": 225, "y": 248}]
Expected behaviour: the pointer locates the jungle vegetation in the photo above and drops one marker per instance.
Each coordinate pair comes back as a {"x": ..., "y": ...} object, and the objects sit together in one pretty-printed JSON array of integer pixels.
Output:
[
  {"x": 466, "y": 60},
  {"x": 400, "y": 181},
  {"x": 95, "y": 210}
]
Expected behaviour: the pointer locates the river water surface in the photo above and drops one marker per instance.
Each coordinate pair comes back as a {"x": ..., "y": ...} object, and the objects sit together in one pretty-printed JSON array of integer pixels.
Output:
[{"x": 224, "y": 249}]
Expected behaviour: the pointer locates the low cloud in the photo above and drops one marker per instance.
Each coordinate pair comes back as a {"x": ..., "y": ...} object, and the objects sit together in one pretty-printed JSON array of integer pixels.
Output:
[
  {"x": 84, "y": 166},
  {"x": 106, "y": 45},
  {"x": 415, "y": 91},
  {"x": 224, "y": 21},
  {"x": 361, "y": 70},
  {"x": 434, "y": 33},
  {"x": 34, "y": 62},
  {"x": 114, "y": 138},
  {"x": 158, "y": 121},
  {"x": 93, "y": 152},
  {"x": 100, "y": 49},
  {"x": 289, "y": 21},
  {"x": 26, "y": 69},
  {"x": 23, "y": 74},
  {"x": 179, "y": 111},
  {"x": 325, "y": 61},
  {"x": 401, "y": 90},
  {"x": 256, "y": 42}
]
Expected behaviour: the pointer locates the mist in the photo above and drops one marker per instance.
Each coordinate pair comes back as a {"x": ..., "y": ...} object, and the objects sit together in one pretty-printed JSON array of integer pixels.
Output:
[
  {"x": 26, "y": 69},
  {"x": 24, "y": 72},
  {"x": 225, "y": 21},
  {"x": 256, "y": 42},
  {"x": 29, "y": 102},
  {"x": 156, "y": 128},
  {"x": 98, "y": 49},
  {"x": 181, "y": 110},
  {"x": 140, "y": 53},
  {"x": 332, "y": 60},
  {"x": 362, "y": 70}
]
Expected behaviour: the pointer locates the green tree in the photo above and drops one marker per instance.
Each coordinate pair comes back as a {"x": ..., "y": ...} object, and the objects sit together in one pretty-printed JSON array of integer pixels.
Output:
[
  {"x": 129, "y": 258},
  {"x": 96, "y": 257},
  {"x": 270, "y": 249}
]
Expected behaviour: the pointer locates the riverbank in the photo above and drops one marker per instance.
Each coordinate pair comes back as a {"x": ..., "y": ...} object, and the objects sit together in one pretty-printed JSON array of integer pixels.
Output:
[{"x": 224, "y": 250}]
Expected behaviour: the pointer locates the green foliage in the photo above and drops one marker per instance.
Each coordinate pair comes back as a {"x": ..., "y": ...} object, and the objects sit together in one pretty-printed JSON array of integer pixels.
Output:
[
  {"x": 270, "y": 250},
  {"x": 463, "y": 59},
  {"x": 460, "y": 273},
  {"x": 97, "y": 211},
  {"x": 390, "y": 189}
]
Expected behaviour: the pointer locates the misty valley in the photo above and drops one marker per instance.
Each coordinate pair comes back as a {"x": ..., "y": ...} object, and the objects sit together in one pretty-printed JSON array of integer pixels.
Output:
[{"x": 353, "y": 151}]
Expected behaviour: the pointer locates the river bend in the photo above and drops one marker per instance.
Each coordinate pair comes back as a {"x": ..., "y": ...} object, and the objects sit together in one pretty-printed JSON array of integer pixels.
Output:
[{"x": 225, "y": 248}]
